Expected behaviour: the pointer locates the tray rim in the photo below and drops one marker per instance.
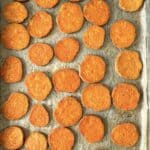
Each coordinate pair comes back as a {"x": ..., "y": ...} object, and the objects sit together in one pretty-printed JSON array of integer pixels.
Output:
[{"x": 147, "y": 10}]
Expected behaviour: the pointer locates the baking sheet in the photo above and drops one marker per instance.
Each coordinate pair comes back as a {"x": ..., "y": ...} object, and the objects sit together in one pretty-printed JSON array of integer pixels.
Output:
[{"x": 111, "y": 117}]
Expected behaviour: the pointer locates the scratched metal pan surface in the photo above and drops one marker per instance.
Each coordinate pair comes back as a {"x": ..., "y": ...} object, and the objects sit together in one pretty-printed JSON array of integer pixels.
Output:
[{"x": 111, "y": 117}]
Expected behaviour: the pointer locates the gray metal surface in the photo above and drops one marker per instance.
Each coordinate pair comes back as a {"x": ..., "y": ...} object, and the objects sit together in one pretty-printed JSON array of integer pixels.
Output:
[
  {"x": 147, "y": 9},
  {"x": 111, "y": 117}
]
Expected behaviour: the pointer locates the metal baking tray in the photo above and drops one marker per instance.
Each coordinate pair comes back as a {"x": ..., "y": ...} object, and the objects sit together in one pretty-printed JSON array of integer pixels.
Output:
[{"x": 140, "y": 116}]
